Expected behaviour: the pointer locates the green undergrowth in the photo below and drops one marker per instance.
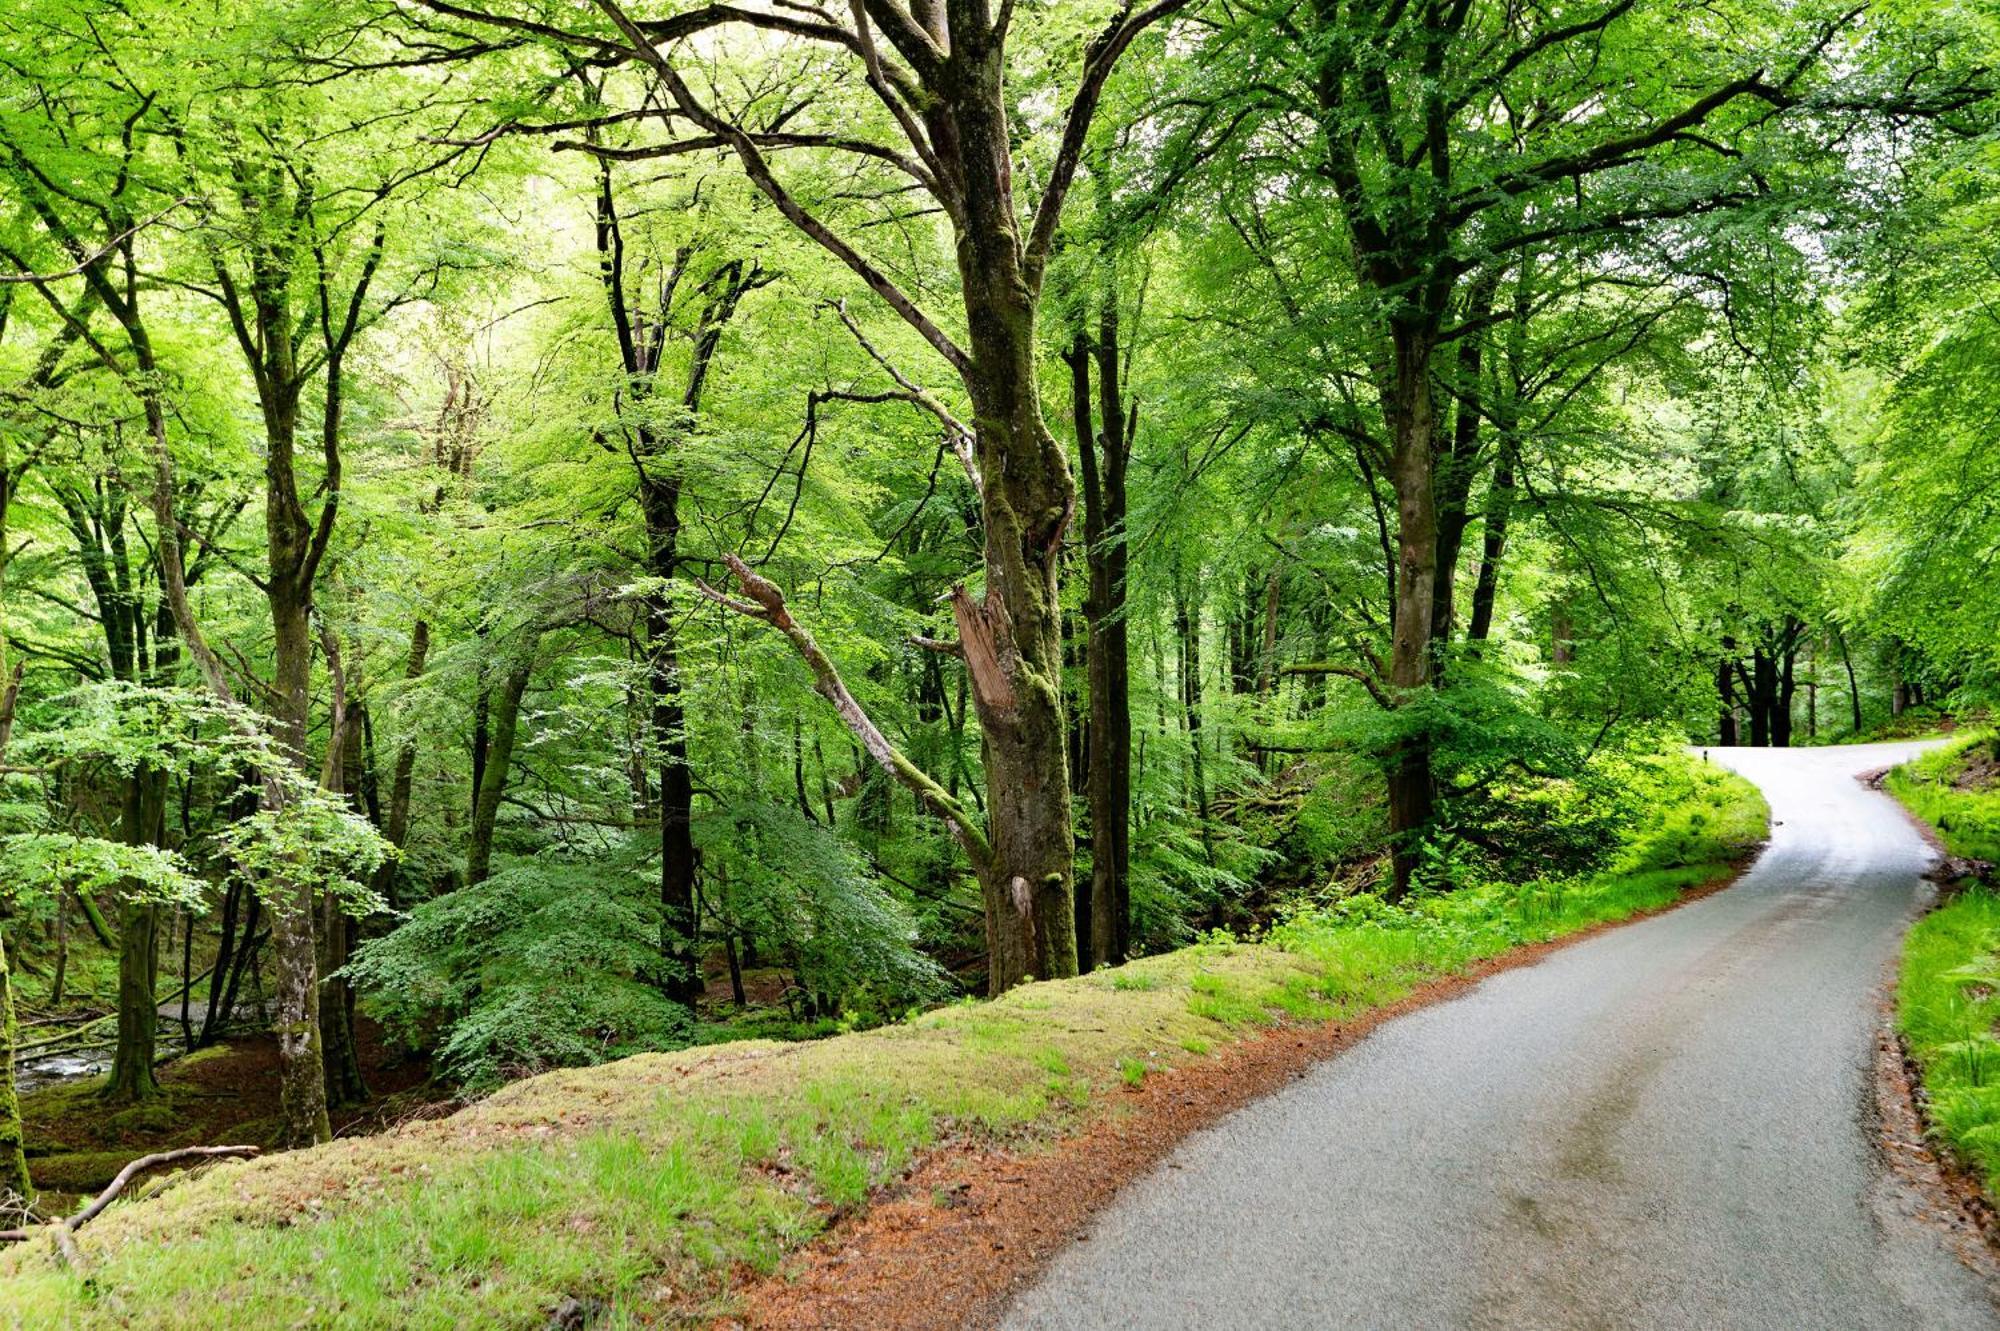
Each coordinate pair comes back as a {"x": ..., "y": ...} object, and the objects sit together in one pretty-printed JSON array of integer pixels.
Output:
[
  {"x": 1956, "y": 789},
  {"x": 1948, "y": 991},
  {"x": 640, "y": 1187}
]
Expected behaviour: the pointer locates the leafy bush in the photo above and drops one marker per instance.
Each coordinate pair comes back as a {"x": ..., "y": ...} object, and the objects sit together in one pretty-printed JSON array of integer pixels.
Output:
[
  {"x": 807, "y": 896},
  {"x": 1947, "y": 1002},
  {"x": 539, "y": 966}
]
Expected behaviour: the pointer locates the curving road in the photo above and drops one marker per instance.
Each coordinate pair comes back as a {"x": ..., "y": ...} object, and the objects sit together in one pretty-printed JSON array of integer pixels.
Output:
[{"x": 1664, "y": 1126}]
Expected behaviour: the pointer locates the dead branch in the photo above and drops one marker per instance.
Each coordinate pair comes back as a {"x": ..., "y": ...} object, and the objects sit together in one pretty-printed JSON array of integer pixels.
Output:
[
  {"x": 767, "y": 603},
  {"x": 957, "y": 433},
  {"x": 65, "y": 1229}
]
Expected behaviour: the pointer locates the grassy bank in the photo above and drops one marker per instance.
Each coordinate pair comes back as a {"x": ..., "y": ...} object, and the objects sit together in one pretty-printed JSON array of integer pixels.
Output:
[
  {"x": 1948, "y": 992},
  {"x": 642, "y": 1184}
]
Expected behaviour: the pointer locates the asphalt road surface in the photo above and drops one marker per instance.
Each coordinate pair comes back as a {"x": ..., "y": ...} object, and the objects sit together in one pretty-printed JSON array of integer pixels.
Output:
[{"x": 1664, "y": 1126}]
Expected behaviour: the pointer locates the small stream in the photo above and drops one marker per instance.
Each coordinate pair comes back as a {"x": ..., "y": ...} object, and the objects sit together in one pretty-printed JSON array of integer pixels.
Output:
[{"x": 94, "y": 1059}]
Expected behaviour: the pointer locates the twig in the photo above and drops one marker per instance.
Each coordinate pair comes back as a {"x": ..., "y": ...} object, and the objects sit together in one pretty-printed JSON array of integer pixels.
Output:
[{"x": 67, "y": 1227}]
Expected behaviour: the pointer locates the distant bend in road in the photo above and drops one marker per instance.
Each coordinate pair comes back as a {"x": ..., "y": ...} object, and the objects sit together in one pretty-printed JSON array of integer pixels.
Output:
[{"x": 1663, "y": 1126}]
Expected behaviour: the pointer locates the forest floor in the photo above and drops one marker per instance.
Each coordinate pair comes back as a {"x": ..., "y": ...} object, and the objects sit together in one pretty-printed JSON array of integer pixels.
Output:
[{"x": 227, "y": 1093}]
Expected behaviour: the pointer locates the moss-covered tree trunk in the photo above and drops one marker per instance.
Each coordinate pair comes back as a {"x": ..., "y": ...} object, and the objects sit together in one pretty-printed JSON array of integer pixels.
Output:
[{"x": 13, "y": 1155}]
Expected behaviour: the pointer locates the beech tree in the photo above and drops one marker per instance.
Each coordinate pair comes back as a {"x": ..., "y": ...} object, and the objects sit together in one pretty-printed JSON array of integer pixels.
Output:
[{"x": 939, "y": 73}]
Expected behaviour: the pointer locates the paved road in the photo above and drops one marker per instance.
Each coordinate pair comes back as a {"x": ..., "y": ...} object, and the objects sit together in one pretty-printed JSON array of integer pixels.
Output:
[{"x": 1664, "y": 1126}]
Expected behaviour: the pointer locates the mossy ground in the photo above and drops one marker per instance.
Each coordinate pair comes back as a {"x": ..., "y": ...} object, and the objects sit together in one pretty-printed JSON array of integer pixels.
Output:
[{"x": 641, "y": 1185}]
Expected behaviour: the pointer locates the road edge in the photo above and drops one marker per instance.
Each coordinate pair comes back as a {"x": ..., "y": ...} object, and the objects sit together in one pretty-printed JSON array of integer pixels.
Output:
[{"x": 973, "y": 1225}]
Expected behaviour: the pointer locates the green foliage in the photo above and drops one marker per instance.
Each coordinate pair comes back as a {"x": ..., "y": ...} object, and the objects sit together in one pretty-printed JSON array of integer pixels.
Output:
[
  {"x": 808, "y": 896},
  {"x": 45, "y": 864},
  {"x": 316, "y": 840},
  {"x": 540, "y": 966},
  {"x": 1944, "y": 787},
  {"x": 1948, "y": 990},
  {"x": 1947, "y": 1005}
]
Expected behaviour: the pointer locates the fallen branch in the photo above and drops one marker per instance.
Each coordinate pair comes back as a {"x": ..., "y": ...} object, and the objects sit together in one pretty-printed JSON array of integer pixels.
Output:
[
  {"x": 65, "y": 1229},
  {"x": 767, "y": 604}
]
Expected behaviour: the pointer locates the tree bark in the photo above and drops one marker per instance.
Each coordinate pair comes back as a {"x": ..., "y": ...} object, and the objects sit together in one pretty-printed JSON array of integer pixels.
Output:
[
  {"x": 13, "y": 1155},
  {"x": 1104, "y": 932},
  {"x": 396, "y": 816},
  {"x": 1408, "y": 406},
  {"x": 1493, "y": 541},
  {"x": 1725, "y": 688},
  {"x": 493, "y": 783}
]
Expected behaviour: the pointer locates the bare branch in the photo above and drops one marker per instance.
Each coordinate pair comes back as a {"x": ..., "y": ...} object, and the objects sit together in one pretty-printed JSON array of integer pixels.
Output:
[
  {"x": 958, "y": 435},
  {"x": 759, "y": 171},
  {"x": 767, "y": 603}
]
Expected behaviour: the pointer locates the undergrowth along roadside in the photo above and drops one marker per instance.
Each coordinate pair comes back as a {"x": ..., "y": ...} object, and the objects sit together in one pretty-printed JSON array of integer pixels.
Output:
[
  {"x": 1948, "y": 989},
  {"x": 638, "y": 1187}
]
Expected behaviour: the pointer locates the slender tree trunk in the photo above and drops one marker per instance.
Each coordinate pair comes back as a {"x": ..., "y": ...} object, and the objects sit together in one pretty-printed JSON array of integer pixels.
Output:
[
  {"x": 13, "y": 1155},
  {"x": 1853, "y": 687},
  {"x": 1458, "y": 464},
  {"x": 1102, "y": 455},
  {"x": 396, "y": 817},
  {"x": 1725, "y": 688},
  {"x": 339, "y": 933},
  {"x": 58, "y": 985},
  {"x": 506, "y": 717},
  {"x": 1493, "y": 546},
  {"x": 1187, "y": 628}
]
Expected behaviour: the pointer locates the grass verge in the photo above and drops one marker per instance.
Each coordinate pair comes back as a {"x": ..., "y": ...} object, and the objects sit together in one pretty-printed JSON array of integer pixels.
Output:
[
  {"x": 638, "y": 1187},
  {"x": 1948, "y": 989}
]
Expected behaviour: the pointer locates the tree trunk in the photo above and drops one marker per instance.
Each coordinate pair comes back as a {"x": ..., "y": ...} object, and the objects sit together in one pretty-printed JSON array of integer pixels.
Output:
[
  {"x": 506, "y": 716},
  {"x": 131, "y": 1077},
  {"x": 1853, "y": 687},
  {"x": 1102, "y": 456},
  {"x": 396, "y": 817},
  {"x": 1725, "y": 688},
  {"x": 301, "y": 1072},
  {"x": 1763, "y": 696},
  {"x": 1187, "y": 629},
  {"x": 1786, "y": 689},
  {"x": 1493, "y": 547},
  {"x": 13, "y": 1156},
  {"x": 1408, "y": 407},
  {"x": 1458, "y": 464},
  {"x": 680, "y": 947},
  {"x": 339, "y": 933}
]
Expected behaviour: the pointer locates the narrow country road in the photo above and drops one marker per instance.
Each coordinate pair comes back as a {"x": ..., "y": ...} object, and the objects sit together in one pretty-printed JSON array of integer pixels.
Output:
[{"x": 1663, "y": 1126}]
